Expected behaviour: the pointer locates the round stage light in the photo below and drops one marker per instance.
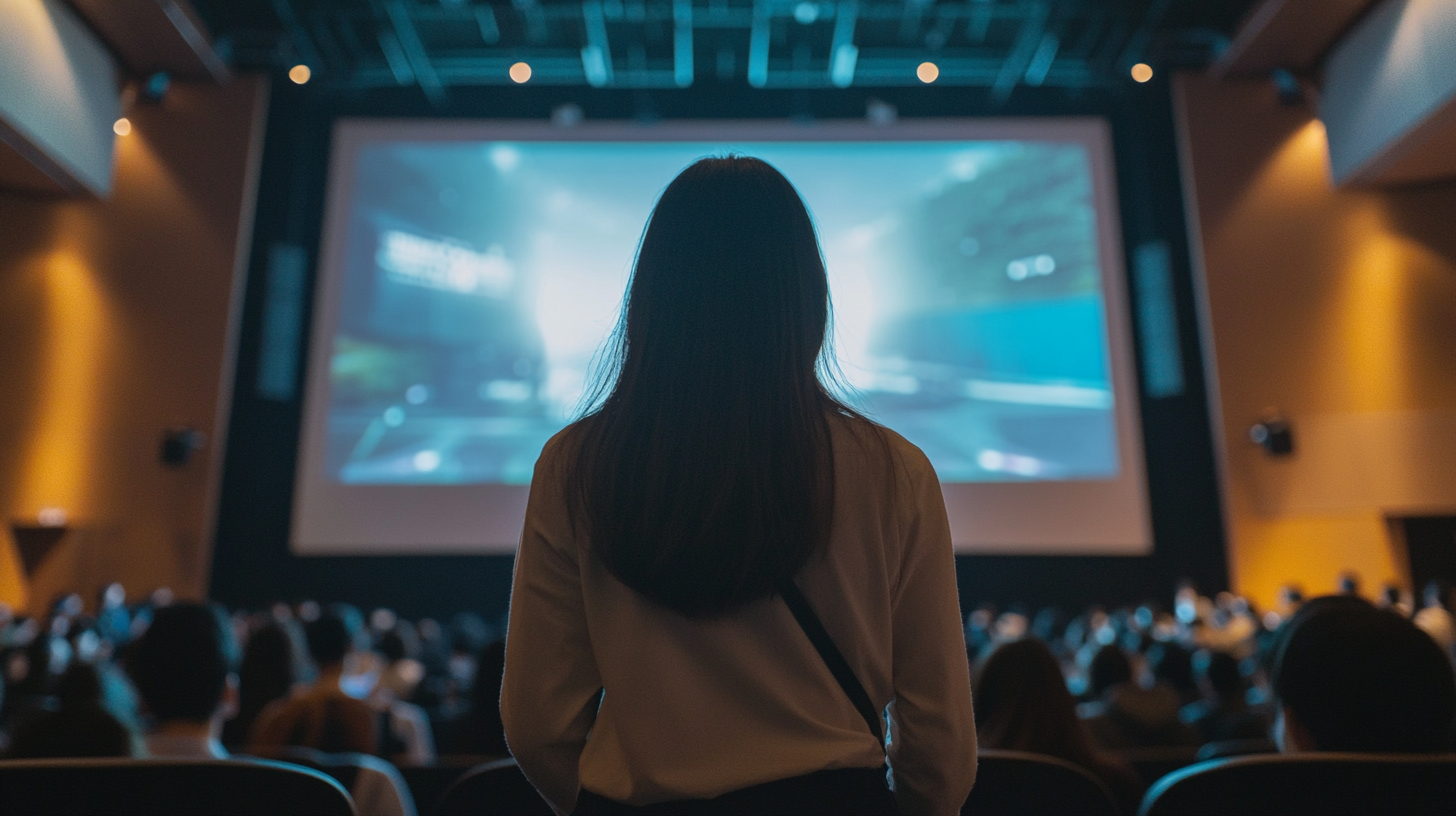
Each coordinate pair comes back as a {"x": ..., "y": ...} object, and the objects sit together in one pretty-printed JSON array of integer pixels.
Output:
[
  {"x": 300, "y": 74},
  {"x": 520, "y": 72},
  {"x": 927, "y": 72},
  {"x": 122, "y": 126},
  {"x": 1142, "y": 72}
]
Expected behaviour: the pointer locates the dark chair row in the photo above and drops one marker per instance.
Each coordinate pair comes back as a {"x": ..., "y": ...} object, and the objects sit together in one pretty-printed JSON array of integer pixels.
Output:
[
  {"x": 1009, "y": 783},
  {"x": 167, "y": 787}
]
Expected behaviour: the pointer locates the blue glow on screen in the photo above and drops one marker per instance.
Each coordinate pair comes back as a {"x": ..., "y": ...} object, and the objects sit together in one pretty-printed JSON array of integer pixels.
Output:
[{"x": 481, "y": 278}]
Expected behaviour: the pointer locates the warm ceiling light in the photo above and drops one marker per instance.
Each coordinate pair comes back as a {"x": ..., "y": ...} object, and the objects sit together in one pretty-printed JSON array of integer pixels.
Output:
[
  {"x": 122, "y": 126},
  {"x": 299, "y": 74},
  {"x": 928, "y": 72},
  {"x": 1142, "y": 72},
  {"x": 520, "y": 72}
]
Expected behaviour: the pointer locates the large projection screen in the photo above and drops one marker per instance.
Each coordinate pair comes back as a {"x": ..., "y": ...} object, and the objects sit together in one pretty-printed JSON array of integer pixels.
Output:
[{"x": 470, "y": 271}]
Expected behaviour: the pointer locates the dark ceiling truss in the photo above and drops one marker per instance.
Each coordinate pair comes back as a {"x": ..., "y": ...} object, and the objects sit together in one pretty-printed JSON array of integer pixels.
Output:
[{"x": 995, "y": 44}]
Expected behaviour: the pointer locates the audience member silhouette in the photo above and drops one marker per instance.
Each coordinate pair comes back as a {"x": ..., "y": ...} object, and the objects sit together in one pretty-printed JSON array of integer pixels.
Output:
[
  {"x": 79, "y": 725},
  {"x": 1350, "y": 677},
  {"x": 480, "y": 732},
  {"x": 1434, "y": 617},
  {"x": 322, "y": 716},
  {"x": 1126, "y": 714},
  {"x": 269, "y": 672},
  {"x": 1022, "y": 704},
  {"x": 336, "y": 732},
  {"x": 1224, "y": 712},
  {"x": 183, "y": 671}
]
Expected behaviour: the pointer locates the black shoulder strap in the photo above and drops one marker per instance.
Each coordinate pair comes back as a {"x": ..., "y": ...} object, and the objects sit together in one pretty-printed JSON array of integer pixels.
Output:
[{"x": 833, "y": 658}]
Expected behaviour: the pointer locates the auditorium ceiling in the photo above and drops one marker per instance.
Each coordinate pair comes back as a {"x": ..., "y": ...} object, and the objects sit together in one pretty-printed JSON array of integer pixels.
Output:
[{"x": 992, "y": 44}]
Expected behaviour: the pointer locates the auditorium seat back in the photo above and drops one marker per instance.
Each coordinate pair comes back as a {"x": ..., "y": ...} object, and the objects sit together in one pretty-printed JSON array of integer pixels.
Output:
[
  {"x": 1016, "y": 783},
  {"x": 1236, "y": 747},
  {"x": 494, "y": 789},
  {"x": 428, "y": 783},
  {"x": 1313, "y": 783},
  {"x": 1155, "y": 763},
  {"x": 167, "y": 787}
]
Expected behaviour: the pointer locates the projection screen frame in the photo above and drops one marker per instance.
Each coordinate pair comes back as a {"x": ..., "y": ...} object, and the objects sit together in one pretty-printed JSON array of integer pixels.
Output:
[{"x": 1081, "y": 517}]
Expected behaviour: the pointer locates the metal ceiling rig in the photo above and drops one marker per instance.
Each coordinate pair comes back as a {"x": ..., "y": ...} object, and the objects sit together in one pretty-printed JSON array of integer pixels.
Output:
[{"x": 995, "y": 44}]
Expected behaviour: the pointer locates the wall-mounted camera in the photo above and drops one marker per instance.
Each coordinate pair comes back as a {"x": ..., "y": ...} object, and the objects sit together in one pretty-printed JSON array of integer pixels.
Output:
[
  {"x": 179, "y": 443},
  {"x": 1273, "y": 435}
]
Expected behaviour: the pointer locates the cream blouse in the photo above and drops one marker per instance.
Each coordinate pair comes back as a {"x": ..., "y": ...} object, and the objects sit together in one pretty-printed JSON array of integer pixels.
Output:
[{"x": 694, "y": 709}]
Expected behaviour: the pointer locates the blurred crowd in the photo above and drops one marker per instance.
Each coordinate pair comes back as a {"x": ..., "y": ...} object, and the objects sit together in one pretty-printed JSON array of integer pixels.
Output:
[
  {"x": 1198, "y": 677},
  {"x": 1120, "y": 691}
]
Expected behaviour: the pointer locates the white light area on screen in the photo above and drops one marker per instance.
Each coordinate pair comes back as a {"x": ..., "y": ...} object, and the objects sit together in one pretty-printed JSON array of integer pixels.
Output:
[
  {"x": 576, "y": 305},
  {"x": 1035, "y": 266},
  {"x": 505, "y": 390},
  {"x": 448, "y": 266},
  {"x": 1068, "y": 396},
  {"x": 888, "y": 382},
  {"x": 505, "y": 157},
  {"x": 426, "y": 461},
  {"x": 1014, "y": 463}
]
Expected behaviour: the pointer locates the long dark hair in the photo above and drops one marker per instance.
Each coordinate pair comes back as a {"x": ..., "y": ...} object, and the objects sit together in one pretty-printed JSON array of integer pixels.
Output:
[
  {"x": 705, "y": 475},
  {"x": 1022, "y": 704}
]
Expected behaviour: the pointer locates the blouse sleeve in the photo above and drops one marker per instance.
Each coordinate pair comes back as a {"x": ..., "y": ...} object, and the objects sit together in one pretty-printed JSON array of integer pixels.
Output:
[
  {"x": 932, "y": 729},
  {"x": 548, "y": 695}
]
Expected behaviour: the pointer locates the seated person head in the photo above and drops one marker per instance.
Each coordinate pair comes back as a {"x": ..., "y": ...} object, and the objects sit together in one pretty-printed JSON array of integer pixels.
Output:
[
  {"x": 80, "y": 726},
  {"x": 1172, "y": 664},
  {"x": 333, "y": 635},
  {"x": 182, "y": 666},
  {"x": 1350, "y": 677},
  {"x": 1110, "y": 666},
  {"x": 1219, "y": 677}
]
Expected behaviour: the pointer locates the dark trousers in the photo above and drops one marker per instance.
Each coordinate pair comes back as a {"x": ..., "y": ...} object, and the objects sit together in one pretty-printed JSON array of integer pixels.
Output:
[{"x": 840, "y": 792}]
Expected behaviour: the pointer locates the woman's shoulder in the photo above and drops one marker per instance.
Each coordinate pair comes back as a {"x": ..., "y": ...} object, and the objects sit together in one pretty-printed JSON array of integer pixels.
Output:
[
  {"x": 560, "y": 449},
  {"x": 874, "y": 444}
]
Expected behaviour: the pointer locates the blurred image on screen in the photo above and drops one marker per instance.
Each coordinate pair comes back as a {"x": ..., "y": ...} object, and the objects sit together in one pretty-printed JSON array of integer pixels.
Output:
[{"x": 482, "y": 279}]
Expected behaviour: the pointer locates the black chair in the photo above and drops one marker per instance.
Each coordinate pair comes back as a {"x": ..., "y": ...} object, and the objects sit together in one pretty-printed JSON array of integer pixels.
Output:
[
  {"x": 428, "y": 783},
  {"x": 493, "y": 789},
  {"x": 345, "y": 767},
  {"x": 1313, "y": 783},
  {"x": 167, "y": 787},
  {"x": 1236, "y": 747},
  {"x": 1016, "y": 783},
  {"x": 1157, "y": 762}
]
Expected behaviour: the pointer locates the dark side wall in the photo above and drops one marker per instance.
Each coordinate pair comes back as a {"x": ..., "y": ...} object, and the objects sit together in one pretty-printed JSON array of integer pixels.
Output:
[{"x": 116, "y": 323}]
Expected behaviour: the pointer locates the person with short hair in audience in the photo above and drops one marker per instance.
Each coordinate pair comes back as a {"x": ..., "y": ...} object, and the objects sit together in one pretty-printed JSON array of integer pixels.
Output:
[
  {"x": 1171, "y": 664},
  {"x": 480, "y": 732},
  {"x": 322, "y": 716},
  {"x": 1349, "y": 584},
  {"x": 1125, "y": 714},
  {"x": 80, "y": 725},
  {"x": 1350, "y": 677},
  {"x": 1022, "y": 704},
  {"x": 1224, "y": 712},
  {"x": 338, "y": 734},
  {"x": 182, "y": 668},
  {"x": 1393, "y": 599},
  {"x": 1435, "y": 617}
]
